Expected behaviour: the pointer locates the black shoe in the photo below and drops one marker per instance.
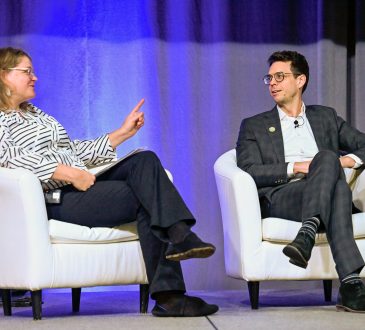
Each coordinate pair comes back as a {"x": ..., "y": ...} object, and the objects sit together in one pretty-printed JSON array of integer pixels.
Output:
[
  {"x": 351, "y": 297},
  {"x": 186, "y": 306},
  {"x": 191, "y": 247},
  {"x": 20, "y": 302},
  {"x": 299, "y": 251}
]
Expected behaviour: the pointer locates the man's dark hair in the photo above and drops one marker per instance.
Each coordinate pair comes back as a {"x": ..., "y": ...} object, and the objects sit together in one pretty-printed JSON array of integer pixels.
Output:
[{"x": 299, "y": 64}]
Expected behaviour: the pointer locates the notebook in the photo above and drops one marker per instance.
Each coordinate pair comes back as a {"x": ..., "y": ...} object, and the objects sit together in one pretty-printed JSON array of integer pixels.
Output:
[{"x": 99, "y": 169}]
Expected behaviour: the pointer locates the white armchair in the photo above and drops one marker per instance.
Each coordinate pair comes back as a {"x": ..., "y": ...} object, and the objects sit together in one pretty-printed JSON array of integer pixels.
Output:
[
  {"x": 37, "y": 253},
  {"x": 253, "y": 246}
]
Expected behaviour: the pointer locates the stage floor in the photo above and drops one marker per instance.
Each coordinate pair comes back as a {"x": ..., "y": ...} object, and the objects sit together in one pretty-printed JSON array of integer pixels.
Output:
[{"x": 279, "y": 309}]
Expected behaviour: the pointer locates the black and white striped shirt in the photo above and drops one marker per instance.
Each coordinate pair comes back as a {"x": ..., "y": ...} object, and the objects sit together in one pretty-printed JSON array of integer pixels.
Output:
[{"x": 36, "y": 141}]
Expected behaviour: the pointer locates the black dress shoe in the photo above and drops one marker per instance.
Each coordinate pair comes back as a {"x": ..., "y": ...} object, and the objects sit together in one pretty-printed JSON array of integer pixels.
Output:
[
  {"x": 186, "y": 306},
  {"x": 299, "y": 251},
  {"x": 351, "y": 297},
  {"x": 191, "y": 247},
  {"x": 20, "y": 302}
]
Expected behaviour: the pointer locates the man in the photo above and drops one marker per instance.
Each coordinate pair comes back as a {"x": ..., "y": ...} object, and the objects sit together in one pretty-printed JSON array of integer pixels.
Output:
[{"x": 293, "y": 154}]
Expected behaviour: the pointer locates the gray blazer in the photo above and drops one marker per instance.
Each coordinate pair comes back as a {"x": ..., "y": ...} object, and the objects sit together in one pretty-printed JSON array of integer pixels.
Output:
[{"x": 260, "y": 147}]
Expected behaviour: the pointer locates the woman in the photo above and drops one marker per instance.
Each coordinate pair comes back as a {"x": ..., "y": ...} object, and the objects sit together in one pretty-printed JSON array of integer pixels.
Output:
[{"x": 136, "y": 188}]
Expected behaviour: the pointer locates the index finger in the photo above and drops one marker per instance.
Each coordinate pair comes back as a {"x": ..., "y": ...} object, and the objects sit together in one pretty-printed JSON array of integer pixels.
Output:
[{"x": 138, "y": 106}]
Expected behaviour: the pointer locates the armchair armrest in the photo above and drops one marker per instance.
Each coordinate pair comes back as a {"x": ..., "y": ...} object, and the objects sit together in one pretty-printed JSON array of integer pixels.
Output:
[
  {"x": 169, "y": 175},
  {"x": 24, "y": 244},
  {"x": 241, "y": 213},
  {"x": 358, "y": 190}
]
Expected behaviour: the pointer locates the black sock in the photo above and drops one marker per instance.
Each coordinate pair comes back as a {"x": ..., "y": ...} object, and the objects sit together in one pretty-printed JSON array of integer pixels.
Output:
[
  {"x": 351, "y": 278},
  {"x": 178, "y": 232},
  {"x": 310, "y": 226},
  {"x": 168, "y": 298}
]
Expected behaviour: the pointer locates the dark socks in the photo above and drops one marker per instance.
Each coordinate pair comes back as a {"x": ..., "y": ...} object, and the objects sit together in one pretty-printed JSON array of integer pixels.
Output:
[
  {"x": 310, "y": 226},
  {"x": 351, "y": 278},
  {"x": 168, "y": 299},
  {"x": 178, "y": 232}
]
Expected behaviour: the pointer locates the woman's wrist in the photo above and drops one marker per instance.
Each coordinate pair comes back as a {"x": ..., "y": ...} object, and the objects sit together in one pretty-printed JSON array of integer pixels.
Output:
[
  {"x": 117, "y": 137},
  {"x": 66, "y": 173}
]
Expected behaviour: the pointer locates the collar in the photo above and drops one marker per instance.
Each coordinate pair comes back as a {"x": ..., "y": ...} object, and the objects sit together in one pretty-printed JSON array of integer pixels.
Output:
[{"x": 283, "y": 115}]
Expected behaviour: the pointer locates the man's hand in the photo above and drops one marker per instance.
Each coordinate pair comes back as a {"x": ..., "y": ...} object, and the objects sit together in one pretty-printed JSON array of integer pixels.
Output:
[
  {"x": 301, "y": 167},
  {"x": 132, "y": 123},
  {"x": 347, "y": 162}
]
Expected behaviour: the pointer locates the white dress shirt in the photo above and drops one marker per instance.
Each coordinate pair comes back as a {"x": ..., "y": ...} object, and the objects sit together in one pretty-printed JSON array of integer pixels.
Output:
[{"x": 299, "y": 141}]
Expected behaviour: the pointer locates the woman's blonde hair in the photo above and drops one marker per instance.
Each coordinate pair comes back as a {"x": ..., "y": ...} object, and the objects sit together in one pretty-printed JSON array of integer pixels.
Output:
[{"x": 9, "y": 58}]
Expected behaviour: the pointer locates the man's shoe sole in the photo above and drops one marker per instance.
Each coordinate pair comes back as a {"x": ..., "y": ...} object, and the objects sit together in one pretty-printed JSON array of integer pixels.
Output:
[
  {"x": 296, "y": 258},
  {"x": 204, "y": 252},
  {"x": 158, "y": 313},
  {"x": 341, "y": 308}
]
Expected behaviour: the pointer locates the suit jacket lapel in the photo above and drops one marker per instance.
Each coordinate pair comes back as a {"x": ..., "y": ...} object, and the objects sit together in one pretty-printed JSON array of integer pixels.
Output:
[
  {"x": 273, "y": 129},
  {"x": 316, "y": 123}
]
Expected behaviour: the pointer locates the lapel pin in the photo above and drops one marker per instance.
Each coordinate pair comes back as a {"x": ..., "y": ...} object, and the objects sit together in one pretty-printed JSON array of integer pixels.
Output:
[{"x": 272, "y": 129}]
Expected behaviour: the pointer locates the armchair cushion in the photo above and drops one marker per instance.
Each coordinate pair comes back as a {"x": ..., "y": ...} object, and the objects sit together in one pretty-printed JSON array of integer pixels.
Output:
[
  {"x": 67, "y": 233},
  {"x": 283, "y": 231}
]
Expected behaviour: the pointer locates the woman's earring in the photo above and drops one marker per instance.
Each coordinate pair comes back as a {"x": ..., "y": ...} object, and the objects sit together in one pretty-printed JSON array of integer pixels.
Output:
[{"x": 8, "y": 92}]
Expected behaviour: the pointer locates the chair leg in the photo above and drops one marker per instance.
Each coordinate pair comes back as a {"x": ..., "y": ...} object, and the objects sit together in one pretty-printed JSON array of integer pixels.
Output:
[
  {"x": 143, "y": 298},
  {"x": 6, "y": 297},
  {"x": 253, "y": 289},
  {"x": 36, "y": 304},
  {"x": 327, "y": 287},
  {"x": 76, "y": 295}
]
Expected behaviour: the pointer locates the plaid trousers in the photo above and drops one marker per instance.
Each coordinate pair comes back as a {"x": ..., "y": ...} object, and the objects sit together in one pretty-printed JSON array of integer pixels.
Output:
[{"x": 324, "y": 193}]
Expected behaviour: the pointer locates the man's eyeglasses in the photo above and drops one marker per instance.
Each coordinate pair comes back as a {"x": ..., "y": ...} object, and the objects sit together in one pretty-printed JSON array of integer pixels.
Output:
[
  {"x": 278, "y": 76},
  {"x": 27, "y": 71}
]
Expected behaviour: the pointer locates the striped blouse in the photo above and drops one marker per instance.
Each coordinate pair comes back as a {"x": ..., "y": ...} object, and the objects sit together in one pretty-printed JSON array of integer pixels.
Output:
[{"x": 36, "y": 141}]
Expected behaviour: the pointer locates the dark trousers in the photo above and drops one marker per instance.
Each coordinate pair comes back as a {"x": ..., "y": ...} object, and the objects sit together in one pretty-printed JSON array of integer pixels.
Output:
[
  {"x": 136, "y": 188},
  {"x": 324, "y": 193}
]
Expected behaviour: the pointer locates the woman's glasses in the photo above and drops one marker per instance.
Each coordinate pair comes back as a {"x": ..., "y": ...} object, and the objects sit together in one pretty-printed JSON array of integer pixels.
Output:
[{"x": 27, "y": 71}]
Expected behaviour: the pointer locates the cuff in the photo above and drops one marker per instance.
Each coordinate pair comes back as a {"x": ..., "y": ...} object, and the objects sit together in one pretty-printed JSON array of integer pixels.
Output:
[
  {"x": 290, "y": 170},
  {"x": 358, "y": 161}
]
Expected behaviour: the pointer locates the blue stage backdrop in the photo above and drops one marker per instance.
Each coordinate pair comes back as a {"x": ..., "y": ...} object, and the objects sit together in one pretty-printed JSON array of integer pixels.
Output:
[{"x": 199, "y": 65}]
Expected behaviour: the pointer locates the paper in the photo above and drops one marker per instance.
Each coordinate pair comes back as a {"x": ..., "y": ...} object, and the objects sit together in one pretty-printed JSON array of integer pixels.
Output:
[{"x": 103, "y": 167}]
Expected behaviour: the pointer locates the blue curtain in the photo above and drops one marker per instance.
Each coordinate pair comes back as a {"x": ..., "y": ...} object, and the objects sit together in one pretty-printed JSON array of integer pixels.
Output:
[{"x": 199, "y": 65}]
